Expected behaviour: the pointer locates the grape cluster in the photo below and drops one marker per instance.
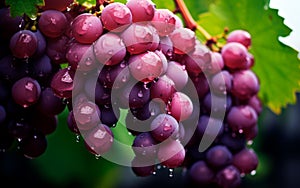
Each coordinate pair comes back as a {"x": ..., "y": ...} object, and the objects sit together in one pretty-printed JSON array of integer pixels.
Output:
[{"x": 188, "y": 106}]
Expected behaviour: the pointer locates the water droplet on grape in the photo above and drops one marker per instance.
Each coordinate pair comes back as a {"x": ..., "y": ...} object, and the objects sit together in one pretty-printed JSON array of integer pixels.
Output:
[
  {"x": 253, "y": 172},
  {"x": 97, "y": 156},
  {"x": 77, "y": 138},
  {"x": 171, "y": 172}
]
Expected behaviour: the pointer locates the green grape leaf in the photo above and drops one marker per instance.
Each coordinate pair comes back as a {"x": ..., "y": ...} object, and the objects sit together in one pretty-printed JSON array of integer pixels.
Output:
[
  {"x": 276, "y": 64},
  {"x": 87, "y": 3},
  {"x": 20, "y": 7}
]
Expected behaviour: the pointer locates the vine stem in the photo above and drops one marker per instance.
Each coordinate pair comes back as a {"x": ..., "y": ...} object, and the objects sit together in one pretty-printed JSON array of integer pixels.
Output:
[{"x": 189, "y": 20}]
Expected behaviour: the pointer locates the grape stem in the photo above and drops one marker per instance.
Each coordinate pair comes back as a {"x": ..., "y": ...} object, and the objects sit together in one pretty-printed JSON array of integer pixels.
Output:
[{"x": 189, "y": 20}]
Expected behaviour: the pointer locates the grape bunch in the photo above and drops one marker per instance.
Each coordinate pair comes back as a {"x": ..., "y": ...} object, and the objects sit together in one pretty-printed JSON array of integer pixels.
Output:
[{"x": 188, "y": 106}]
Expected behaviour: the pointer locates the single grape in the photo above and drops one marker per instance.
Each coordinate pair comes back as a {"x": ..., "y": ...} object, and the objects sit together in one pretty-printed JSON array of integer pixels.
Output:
[
  {"x": 75, "y": 53},
  {"x": 23, "y": 44},
  {"x": 241, "y": 36},
  {"x": 109, "y": 49},
  {"x": 166, "y": 46},
  {"x": 163, "y": 88},
  {"x": 183, "y": 40},
  {"x": 116, "y": 17},
  {"x": 164, "y": 21},
  {"x": 144, "y": 145},
  {"x": 62, "y": 83},
  {"x": 171, "y": 153},
  {"x": 246, "y": 161},
  {"x": 229, "y": 177},
  {"x": 141, "y": 10},
  {"x": 41, "y": 44},
  {"x": 235, "y": 56},
  {"x": 221, "y": 83},
  {"x": 109, "y": 115},
  {"x": 139, "y": 95},
  {"x": 178, "y": 74},
  {"x": 49, "y": 104},
  {"x": 34, "y": 146},
  {"x": 26, "y": 92},
  {"x": 209, "y": 126},
  {"x": 86, "y": 28},
  {"x": 139, "y": 38},
  {"x": 42, "y": 68},
  {"x": 57, "y": 49},
  {"x": 52, "y": 23},
  {"x": 163, "y": 126},
  {"x": 201, "y": 174},
  {"x": 245, "y": 84},
  {"x": 60, "y": 5},
  {"x": 86, "y": 114},
  {"x": 241, "y": 117},
  {"x": 145, "y": 67},
  {"x": 142, "y": 167},
  {"x": 180, "y": 107},
  {"x": 99, "y": 140},
  {"x": 234, "y": 142},
  {"x": 218, "y": 156}
]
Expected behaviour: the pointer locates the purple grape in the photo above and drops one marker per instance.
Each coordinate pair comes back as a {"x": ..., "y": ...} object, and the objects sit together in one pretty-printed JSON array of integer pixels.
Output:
[
  {"x": 45, "y": 124},
  {"x": 12, "y": 69},
  {"x": 142, "y": 167},
  {"x": 86, "y": 28},
  {"x": 86, "y": 114},
  {"x": 201, "y": 174},
  {"x": 34, "y": 145},
  {"x": 183, "y": 40},
  {"x": 49, "y": 104},
  {"x": 115, "y": 76},
  {"x": 216, "y": 105},
  {"x": 221, "y": 83},
  {"x": 229, "y": 177},
  {"x": 241, "y": 117},
  {"x": 241, "y": 36},
  {"x": 60, "y": 5},
  {"x": 246, "y": 161},
  {"x": 197, "y": 60},
  {"x": 234, "y": 142},
  {"x": 102, "y": 95},
  {"x": 139, "y": 95},
  {"x": 52, "y": 23},
  {"x": 141, "y": 10},
  {"x": 245, "y": 84},
  {"x": 109, "y": 49},
  {"x": 180, "y": 107},
  {"x": 99, "y": 140},
  {"x": 200, "y": 83},
  {"x": 19, "y": 129},
  {"x": 164, "y": 21},
  {"x": 251, "y": 133},
  {"x": 138, "y": 38},
  {"x": 218, "y": 156},
  {"x": 178, "y": 74},
  {"x": 23, "y": 44},
  {"x": 171, "y": 153},
  {"x": 163, "y": 88},
  {"x": 235, "y": 56},
  {"x": 42, "y": 68},
  {"x": 149, "y": 110},
  {"x": 116, "y": 17},
  {"x": 26, "y": 92},
  {"x": 163, "y": 126},
  {"x": 41, "y": 44},
  {"x": 57, "y": 49},
  {"x": 209, "y": 127},
  {"x": 75, "y": 53},
  {"x": 144, "y": 145},
  {"x": 166, "y": 46},
  {"x": 62, "y": 83},
  {"x": 215, "y": 65},
  {"x": 145, "y": 67},
  {"x": 71, "y": 122},
  {"x": 256, "y": 103},
  {"x": 109, "y": 115}
]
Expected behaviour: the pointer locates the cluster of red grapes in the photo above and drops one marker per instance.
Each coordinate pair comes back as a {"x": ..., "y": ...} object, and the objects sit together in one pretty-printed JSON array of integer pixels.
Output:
[{"x": 188, "y": 107}]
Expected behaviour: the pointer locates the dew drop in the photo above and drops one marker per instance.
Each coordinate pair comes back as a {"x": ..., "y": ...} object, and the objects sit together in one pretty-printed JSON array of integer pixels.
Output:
[
  {"x": 171, "y": 172},
  {"x": 140, "y": 94},
  {"x": 67, "y": 78},
  {"x": 77, "y": 138},
  {"x": 241, "y": 131},
  {"x": 97, "y": 156},
  {"x": 253, "y": 172}
]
